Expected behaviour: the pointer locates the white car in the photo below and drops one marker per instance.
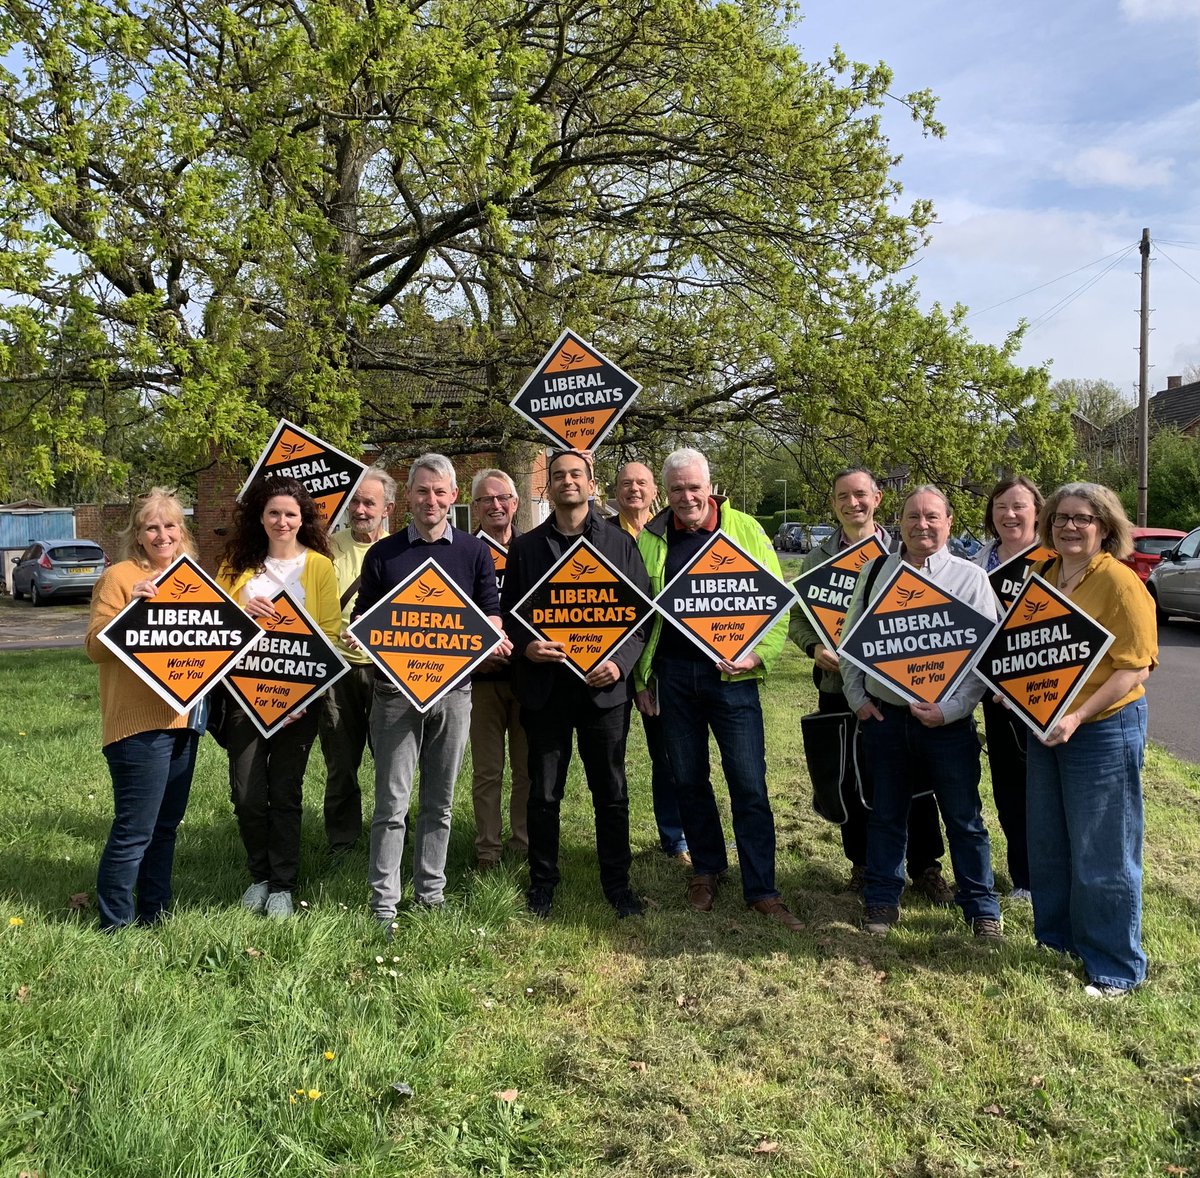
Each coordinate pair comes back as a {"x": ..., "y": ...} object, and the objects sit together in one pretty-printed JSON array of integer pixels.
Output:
[{"x": 1174, "y": 582}]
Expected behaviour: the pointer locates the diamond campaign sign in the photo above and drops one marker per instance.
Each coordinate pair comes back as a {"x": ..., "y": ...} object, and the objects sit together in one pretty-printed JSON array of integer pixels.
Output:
[
  {"x": 585, "y": 603},
  {"x": 724, "y": 600},
  {"x": 183, "y": 640},
  {"x": 824, "y": 591},
  {"x": 1041, "y": 654},
  {"x": 426, "y": 635},
  {"x": 499, "y": 557},
  {"x": 576, "y": 394},
  {"x": 1006, "y": 579},
  {"x": 328, "y": 475},
  {"x": 916, "y": 638},
  {"x": 287, "y": 670}
]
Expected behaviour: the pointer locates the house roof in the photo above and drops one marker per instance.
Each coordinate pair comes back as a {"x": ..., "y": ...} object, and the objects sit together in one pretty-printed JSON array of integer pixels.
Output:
[{"x": 1177, "y": 408}]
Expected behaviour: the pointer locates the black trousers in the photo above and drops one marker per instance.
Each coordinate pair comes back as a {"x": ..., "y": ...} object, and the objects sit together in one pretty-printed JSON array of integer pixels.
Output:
[
  {"x": 1006, "y": 737},
  {"x": 266, "y": 782},
  {"x": 601, "y": 733},
  {"x": 925, "y": 846}
]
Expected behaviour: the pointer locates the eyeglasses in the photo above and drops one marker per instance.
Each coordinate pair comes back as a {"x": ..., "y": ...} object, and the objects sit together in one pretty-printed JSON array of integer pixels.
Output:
[
  {"x": 1060, "y": 520},
  {"x": 494, "y": 498}
]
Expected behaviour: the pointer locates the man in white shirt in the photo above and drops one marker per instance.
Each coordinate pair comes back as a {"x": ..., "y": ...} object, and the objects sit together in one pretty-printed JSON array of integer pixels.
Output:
[{"x": 936, "y": 741}]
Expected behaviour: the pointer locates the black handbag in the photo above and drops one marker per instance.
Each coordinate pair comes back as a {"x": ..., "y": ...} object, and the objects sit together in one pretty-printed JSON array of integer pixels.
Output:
[{"x": 829, "y": 750}]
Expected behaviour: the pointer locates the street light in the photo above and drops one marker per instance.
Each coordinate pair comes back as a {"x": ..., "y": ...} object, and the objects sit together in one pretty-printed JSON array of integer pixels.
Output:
[{"x": 784, "y": 482}]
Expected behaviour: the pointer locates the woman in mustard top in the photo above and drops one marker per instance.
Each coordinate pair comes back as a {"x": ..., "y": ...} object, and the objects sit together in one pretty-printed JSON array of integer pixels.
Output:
[
  {"x": 276, "y": 542},
  {"x": 1085, "y": 779},
  {"x": 149, "y": 746}
]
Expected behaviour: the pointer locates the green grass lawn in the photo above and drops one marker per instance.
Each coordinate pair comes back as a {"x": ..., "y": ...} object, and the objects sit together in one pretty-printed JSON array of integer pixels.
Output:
[{"x": 676, "y": 1044}]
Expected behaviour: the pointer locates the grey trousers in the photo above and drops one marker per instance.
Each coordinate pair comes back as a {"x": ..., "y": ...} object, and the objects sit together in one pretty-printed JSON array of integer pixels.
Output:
[{"x": 404, "y": 740}]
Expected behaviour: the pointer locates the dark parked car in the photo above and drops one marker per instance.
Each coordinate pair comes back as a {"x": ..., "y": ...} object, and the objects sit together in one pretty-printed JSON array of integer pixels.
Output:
[
  {"x": 1174, "y": 582},
  {"x": 1148, "y": 546},
  {"x": 56, "y": 570}
]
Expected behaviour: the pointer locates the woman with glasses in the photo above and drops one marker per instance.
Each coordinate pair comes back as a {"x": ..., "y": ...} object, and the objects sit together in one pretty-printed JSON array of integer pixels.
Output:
[{"x": 1084, "y": 782}]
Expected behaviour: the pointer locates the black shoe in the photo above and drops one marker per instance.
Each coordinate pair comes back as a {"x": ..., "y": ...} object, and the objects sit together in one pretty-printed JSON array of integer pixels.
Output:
[
  {"x": 539, "y": 902},
  {"x": 626, "y": 904},
  {"x": 880, "y": 918}
]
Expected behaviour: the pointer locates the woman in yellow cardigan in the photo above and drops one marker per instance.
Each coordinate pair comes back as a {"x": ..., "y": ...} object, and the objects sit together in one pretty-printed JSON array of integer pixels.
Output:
[
  {"x": 276, "y": 543},
  {"x": 149, "y": 746}
]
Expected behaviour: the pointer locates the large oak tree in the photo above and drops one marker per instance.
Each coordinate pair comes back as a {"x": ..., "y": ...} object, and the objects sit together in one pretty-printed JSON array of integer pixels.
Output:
[{"x": 373, "y": 216}]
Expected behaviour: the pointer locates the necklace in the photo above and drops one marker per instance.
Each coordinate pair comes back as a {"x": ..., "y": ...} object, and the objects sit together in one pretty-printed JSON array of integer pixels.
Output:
[{"x": 1065, "y": 578}]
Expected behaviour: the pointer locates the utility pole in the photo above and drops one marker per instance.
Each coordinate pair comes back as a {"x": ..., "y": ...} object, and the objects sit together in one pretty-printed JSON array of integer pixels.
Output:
[{"x": 1143, "y": 384}]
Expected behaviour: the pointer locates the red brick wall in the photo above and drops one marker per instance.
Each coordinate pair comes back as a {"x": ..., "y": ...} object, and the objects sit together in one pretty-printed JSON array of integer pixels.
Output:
[{"x": 102, "y": 523}]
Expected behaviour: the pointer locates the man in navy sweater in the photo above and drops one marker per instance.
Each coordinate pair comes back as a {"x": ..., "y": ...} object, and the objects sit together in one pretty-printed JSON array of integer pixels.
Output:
[{"x": 402, "y": 737}]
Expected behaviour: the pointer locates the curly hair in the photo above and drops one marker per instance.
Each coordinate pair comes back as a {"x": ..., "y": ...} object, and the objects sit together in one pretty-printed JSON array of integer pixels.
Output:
[
  {"x": 161, "y": 502},
  {"x": 247, "y": 546}
]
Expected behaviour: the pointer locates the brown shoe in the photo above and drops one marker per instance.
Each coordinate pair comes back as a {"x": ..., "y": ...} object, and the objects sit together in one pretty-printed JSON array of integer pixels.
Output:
[
  {"x": 683, "y": 859},
  {"x": 702, "y": 892},
  {"x": 933, "y": 886},
  {"x": 486, "y": 865},
  {"x": 775, "y": 909}
]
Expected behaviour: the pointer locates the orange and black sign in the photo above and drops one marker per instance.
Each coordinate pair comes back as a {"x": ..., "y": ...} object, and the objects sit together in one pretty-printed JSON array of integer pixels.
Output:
[
  {"x": 499, "y": 557},
  {"x": 287, "y": 670},
  {"x": 1042, "y": 653},
  {"x": 1007, "y": 578},
  {"x": 824, "y": 592},
  {"x": 327, "y": 474},
  {"x": 724, "y": 600},
  {"x": 184, "y": 639},
  {"x": 576, "y": 394},
  {"x": 918, "y": 639},
  {"x": 426, "y": 635},
  {"x": 585, "y": 603}
]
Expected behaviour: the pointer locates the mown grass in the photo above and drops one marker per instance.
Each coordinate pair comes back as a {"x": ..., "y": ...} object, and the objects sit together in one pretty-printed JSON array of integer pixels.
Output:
[{"x": 677, "y": 1044}]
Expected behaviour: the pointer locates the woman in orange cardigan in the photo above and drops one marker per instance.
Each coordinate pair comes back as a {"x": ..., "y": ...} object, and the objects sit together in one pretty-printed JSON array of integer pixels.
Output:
[
  {"x": 149, "y": 746},
  {"x": 276, "y": 543}
]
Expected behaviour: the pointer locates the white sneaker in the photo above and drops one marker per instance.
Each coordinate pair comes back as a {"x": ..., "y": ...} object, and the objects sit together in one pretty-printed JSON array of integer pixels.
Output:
[
  {"x": 279, "y": 905},
  {"x": 1094, "y": 991},
  {"x": 255, "y": 897}
]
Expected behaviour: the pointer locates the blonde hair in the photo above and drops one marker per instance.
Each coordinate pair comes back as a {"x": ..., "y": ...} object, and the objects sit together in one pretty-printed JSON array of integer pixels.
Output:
[
  {"x": 1110, "y": 515},
  {"x": 160, "y": 501}
]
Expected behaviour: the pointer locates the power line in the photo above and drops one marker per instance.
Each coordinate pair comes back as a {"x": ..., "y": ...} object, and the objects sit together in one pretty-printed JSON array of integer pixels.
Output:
[
  {"x": 1068, "y": 299},
  {"x": 1174, "y": 263},
  {"x": 1118, "y": 254}
]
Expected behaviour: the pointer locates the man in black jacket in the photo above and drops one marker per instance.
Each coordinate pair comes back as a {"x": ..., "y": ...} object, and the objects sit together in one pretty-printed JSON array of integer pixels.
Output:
[{"x": 557, "y": 705}]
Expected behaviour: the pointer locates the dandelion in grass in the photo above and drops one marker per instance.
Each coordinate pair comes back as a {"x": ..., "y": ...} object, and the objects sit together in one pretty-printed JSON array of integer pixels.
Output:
[
  {"x": 15, "y": 921},
  {"x": 330, "y": 1055},
  {"x": 314, "y": 1094}
]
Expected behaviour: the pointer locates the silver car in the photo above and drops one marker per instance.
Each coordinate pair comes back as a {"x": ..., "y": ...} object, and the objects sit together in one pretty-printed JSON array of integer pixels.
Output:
[
  {"x": 1174, "y": 582},
  {"x": 57, "y": 570}
]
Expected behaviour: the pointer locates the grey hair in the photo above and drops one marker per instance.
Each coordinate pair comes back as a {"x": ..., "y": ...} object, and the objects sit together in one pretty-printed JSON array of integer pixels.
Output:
[
  {"x": 846, "y": 472},
  {"x": 381, "y": 476},
  {"x": 439, "y": 464},
  {"x": 928, "y": 489},
  {"x": 678, "y": 459},
  {"x": 480, "y": 475}
]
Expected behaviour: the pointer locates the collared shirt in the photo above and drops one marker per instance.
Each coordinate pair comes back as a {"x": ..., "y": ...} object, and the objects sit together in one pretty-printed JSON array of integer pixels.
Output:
[
  {"x": 961, "y": 578},
  {"x": 415, "y": 537}
]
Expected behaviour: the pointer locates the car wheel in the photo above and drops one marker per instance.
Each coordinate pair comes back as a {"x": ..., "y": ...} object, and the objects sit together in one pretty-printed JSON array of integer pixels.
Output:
[
  {"x": 1160, "y": 615},
  {"x": 17, "y": 594},
  {"x": 35, "y": 595}
]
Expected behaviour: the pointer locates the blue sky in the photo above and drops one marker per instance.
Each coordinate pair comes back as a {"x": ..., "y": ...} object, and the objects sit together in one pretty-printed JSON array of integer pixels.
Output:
[{"x": 1069, "y": 127}]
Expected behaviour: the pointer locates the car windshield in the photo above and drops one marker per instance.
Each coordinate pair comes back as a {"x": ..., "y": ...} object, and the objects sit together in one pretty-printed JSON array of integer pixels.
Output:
[
  {"x": 76, "y": 554},
  {"x": 1155, "y": 545}
]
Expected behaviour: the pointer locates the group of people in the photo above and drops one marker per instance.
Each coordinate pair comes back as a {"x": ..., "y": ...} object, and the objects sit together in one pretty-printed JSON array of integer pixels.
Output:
[{"x": 1070, "y": 806}]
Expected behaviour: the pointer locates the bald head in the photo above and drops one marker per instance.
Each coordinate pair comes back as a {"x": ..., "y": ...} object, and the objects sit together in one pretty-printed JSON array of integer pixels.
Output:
[{"x": 636, "y": 493}]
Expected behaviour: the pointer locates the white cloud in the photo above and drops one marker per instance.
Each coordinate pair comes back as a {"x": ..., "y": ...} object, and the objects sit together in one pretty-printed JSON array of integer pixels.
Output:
[{"x": 1115, "y": 167}]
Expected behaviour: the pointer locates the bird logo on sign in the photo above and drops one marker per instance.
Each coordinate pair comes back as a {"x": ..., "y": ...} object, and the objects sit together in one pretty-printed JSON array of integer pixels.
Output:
[
  {"x": 425, "y": 592},
  {"x": 1033, "y": 608},
  {"x": 580, "y": 568},
  {"x": 181, "y": 588}
]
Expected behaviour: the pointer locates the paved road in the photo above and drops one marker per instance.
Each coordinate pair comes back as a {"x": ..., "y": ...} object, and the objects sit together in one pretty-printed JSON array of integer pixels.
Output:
[
  {"x": 1173, "y": 690},
  {"x": 22, "y": 627}
]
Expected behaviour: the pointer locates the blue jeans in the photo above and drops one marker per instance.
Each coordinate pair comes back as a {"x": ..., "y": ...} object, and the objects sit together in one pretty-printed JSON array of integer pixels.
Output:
[
  {"x": 900, "y": 750},
  {"x": 1085, "y": 845},
  {"x": 693, "y": 699},
  {"x": 151, "y": 776},
  {"x": 663, "y": 791}
]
